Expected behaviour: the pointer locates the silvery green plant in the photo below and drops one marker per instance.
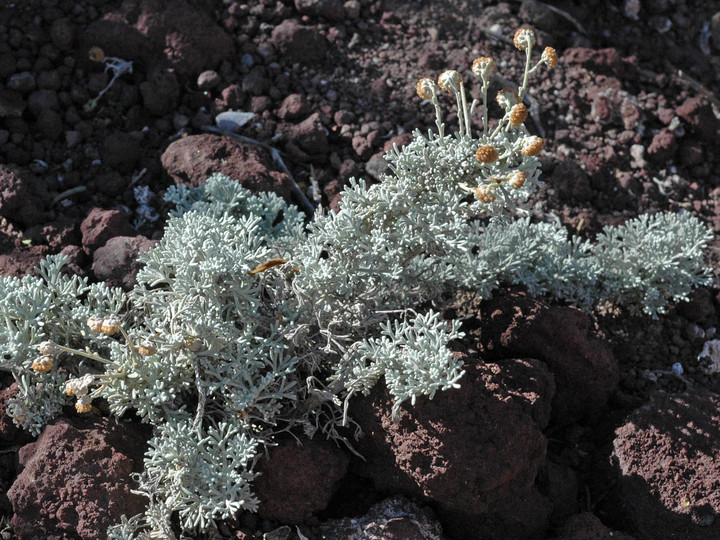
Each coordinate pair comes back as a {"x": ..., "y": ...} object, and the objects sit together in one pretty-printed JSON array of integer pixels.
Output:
[{"x": 245, "y": 322}]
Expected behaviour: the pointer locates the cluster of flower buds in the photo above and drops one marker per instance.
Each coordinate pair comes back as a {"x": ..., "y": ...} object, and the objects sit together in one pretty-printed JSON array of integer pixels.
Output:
[
  {"x": 79, "y": 388},
  {"x": 505, "y": 150},
  {"x": 108, "y": 325},
  {"x": 46, "y": 360}
]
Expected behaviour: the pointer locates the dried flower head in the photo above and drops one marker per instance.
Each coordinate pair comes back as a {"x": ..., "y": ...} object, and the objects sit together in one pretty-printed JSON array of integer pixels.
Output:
[
  {"x": 485, "y": 194},
  {"x": 516, "y": 180},
  {"x": 96, "y": 54},
  {"x": 79, "y": 387},
  {"x": 46, "y": 348},
  {"x": 425, "y": 88},
  {"x": 450, "y": 80},
  {"x": 486, "y": 154},
  {"x": 83, "y": 404},
  {"x": 147, "y": 348},
  {"x": 483, "y": 67},
  {"x": 532, "y": 146},
  {"x": 507, "y": 97},
  {"x": 524, "y": 39},
  {"x": 95, "y": 324},
  {"x": 550, "y": 57},
  {"x": 518, "y": 114},
  {"x": 43, "y": 364},
  {"x": 110, "y": 326}
]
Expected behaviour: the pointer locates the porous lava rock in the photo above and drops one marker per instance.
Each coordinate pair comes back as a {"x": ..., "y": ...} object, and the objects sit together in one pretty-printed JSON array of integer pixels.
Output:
[
  {"x": 102, "y": 225},
  {"x": 75, "y": 481},
  {"x": 299, "y": 43},
  {"x": 666, "y": 457},
  {"x": 17, "y": 201},
  {"x": 116, "y": 262},
  {"x": 586, "y": 372},
  {"x": 193, "y": 159},
  {"x": 176, "y": 32},
  {"x": 473, "y": 451},
  {"x": 298, "y": 479}
]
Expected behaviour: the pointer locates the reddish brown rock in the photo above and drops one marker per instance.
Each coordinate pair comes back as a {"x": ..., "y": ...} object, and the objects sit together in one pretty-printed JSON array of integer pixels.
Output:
[
  {"x": 190, "y": 40},
  {"x": 472, "y": 451},
  {"x": 299, "y": 480},
  {"x": 15, "y": 192},
  {"x": 76, "y": 479},
  {"x": 56, "y": 234},
  {"x": 102, "y": 225},
  {"x": 193, "y": 159},
  {"x": 116, "y": 262},
  {"x": 586, "y": 372},
  {"x": 298, "y": 43},
  {"x": 666, "y": 457},
  {"x": 294, "y": 107},
  {"x": 699, "y": 115},
  {"x": 22, "y": 260},
  {"x": 310, "y": 136},
  {"x": 606, "y": 61},
  {"x": 663, "y": 147}
]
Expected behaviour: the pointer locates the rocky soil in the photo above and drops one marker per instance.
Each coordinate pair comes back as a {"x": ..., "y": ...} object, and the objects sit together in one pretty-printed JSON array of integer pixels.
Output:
[{"x": 570, "y": 427}]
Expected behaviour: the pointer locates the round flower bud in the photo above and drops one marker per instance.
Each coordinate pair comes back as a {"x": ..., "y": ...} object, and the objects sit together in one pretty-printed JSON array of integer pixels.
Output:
[
  {"x": 147, "y": 348},
  {"x": 83, "y": 404},
  {"x": 95, "y": 324},
  {"x": 486, "y": 154},
  {"x": 524, "y": 39},
  {"x": 425, "y": 88},
  {"x": 96, "y": 54},
  {"x": 483, "y": 67},
  {"x": 507, "y": 97},
  {"x": 110, "y": 326},
  {"x": 47, "y": 348},
  {"x": 518, "y": 114},
  {"x": 532, "y": 146},
  {"x": 450, "y": 80},
  {"x": 485, "y": 194},
  {"x": 516, "y": 180},
  {"x": 79, "y": 387},
  {"x": 43, "y": 364},
  {"x": 550, "y": 57}
]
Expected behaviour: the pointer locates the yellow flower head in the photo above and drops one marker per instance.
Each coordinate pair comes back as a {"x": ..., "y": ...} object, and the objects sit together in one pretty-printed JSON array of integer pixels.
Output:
[
  {"x": 147, "y": 348},
  {"x": 425, "y": 88},
  {"x": 518, "y": 114},
  {"x": 110, "y": 326},
  {"x": 43, "y": 364},
  {"x": 485, "y": 194},
  {"x": 524, "y": 39},
  {"x": 486, "y": 154},
  {"x": 550, "y": 57},
  {"x": 450, "y": 80},
  {"x": 516, "y": 179},
  {"x": 483, "y": 68},
  {"x": 96, "y": 54},
  {"x": 83, "y": 404},
  {"x": 532, "y": 146}
]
